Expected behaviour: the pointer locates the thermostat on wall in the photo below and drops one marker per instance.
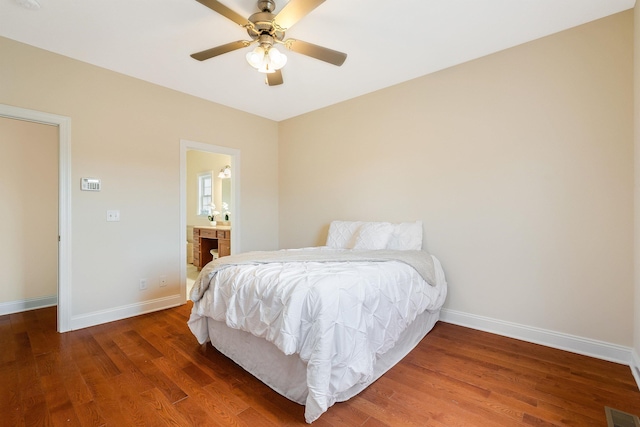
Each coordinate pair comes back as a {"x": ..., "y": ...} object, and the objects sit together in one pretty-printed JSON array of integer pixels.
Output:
[{"x": 90, "y": 184}]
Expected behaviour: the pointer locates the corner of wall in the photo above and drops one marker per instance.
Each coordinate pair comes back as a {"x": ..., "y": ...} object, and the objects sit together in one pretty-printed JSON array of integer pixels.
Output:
[{"x": 635, "y": 367}]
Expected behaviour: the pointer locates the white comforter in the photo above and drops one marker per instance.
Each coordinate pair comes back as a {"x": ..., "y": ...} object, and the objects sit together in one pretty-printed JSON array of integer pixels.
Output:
[{"x": 337, "y": 316}]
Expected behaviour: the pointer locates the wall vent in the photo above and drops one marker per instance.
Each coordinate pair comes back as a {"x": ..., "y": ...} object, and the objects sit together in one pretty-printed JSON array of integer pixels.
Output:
[
  {"x": 90, "y": 184},
  {"x": 616, "y": 418}
]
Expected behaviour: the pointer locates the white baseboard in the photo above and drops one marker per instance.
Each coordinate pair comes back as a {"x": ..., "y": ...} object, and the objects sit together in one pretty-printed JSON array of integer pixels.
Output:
[
  {"x": 125, "y": 311},
  {"x": 27, "y": 304},
  {"x": 588, "y": 347}
]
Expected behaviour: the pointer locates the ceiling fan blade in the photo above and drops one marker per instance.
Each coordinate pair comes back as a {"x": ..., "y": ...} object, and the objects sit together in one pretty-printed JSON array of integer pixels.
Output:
[
  {"x": 318, "y": 52},
  {"x": 223, "y": 10},
  {"x": 219, "y": 50},
  {"x": 275, "y": 78},
  {"x": 294, "y": 11}
]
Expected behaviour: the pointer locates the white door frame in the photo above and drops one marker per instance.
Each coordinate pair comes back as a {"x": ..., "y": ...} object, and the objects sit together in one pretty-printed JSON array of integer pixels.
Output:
[
  {"x": 185, "y": 146},
  {"x": 64, "y": 202}
]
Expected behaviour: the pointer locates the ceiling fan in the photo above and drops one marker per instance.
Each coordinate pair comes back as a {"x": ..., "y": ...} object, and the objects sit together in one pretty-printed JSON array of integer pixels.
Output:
[{"x": 267, "y": 29}]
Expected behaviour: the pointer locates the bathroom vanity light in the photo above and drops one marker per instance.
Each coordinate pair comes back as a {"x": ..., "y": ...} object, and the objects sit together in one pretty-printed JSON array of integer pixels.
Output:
[{"x": 225, "y": 172}]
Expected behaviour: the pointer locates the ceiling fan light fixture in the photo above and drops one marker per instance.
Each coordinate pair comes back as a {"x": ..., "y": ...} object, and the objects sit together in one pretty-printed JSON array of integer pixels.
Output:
[
  {"x": 255, "y": 58},
  {"x": 266, "y": 61},
  {"x": 278, "y": 59}
]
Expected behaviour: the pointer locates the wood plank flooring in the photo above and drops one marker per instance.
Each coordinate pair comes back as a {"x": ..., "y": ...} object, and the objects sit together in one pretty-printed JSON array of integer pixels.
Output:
[{"x": 150, "y": 371}]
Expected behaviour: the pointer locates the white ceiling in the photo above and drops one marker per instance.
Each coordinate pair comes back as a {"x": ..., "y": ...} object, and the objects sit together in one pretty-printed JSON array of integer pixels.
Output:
[{"x": 387, "y": 42}]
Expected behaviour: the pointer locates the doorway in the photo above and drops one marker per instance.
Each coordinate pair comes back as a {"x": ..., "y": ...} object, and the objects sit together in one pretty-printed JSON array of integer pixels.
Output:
[
  {"x": 64, "y": 202},
  {"x": 233, "y": 156}
]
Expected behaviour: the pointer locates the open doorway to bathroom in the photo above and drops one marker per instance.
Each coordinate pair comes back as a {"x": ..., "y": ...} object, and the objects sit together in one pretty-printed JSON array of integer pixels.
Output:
[
  {"x": 208, "y": 192},
  {"x": 209, "y": 183}
]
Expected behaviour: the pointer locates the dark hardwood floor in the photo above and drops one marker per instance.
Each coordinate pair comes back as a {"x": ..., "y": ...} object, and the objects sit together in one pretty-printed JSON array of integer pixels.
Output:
[{"x": 150, "y": 371}]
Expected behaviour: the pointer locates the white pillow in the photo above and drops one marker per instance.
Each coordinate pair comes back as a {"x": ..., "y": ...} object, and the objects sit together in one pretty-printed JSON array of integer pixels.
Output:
[
  {"x": 406, "y": 236},
  {"x": 342, "y": 234},
  {"x": 373, "y": 236}
]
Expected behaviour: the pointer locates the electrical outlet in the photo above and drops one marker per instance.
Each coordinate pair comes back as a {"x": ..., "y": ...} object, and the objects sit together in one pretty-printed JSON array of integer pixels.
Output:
[
  {"x": 163, "y": 281},
  {"x": 113, "y": 216},
  {"x": 143, "y": 284}
]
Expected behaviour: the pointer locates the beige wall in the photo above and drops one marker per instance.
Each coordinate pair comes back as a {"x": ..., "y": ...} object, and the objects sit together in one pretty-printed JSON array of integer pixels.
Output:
[
  {"x": 520, "y": 164},
  {"x": 127, "y": 133},
  {"x": 29, "y": 210}
]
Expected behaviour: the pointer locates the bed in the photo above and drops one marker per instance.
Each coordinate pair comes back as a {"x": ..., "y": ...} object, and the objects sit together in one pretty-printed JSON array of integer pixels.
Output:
[{"x": 318, "y": 325}]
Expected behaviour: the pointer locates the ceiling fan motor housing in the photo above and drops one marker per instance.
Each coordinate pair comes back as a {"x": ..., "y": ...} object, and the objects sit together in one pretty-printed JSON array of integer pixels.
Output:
[
  {"x": 263, "y": 24},
  {"x": 266, "y": 5}
]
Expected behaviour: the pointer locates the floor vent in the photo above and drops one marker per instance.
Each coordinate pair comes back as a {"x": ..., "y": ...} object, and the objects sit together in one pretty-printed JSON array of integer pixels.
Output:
[{"x": 616, "y": 418}]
